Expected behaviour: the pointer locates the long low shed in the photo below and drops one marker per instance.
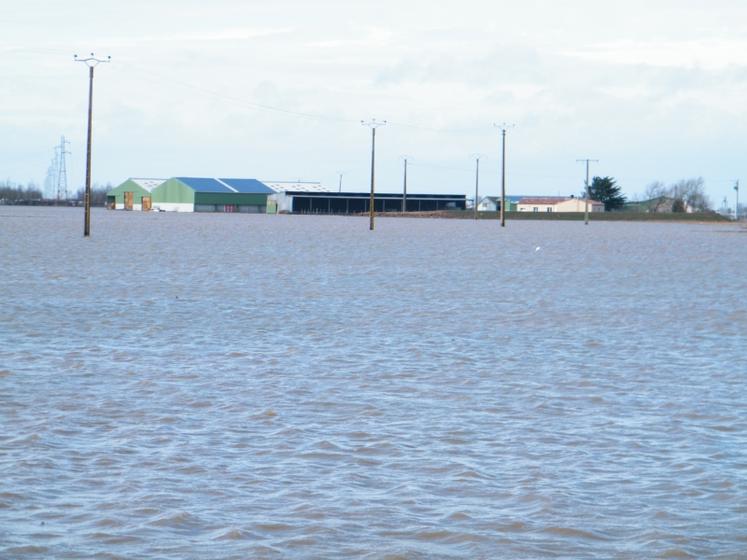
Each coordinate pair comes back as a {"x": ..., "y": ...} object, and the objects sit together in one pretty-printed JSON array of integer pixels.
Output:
[
  {"x": 204, "y": 194},
  {"x": 304, "y": 202}
]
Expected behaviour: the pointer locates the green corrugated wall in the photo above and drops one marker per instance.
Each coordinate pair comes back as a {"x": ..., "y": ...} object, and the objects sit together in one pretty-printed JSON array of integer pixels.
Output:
[
  {"x": 242, "y": 199},
  {"x": 128, "y": 186},
  {"x": 173, "y": 190}
]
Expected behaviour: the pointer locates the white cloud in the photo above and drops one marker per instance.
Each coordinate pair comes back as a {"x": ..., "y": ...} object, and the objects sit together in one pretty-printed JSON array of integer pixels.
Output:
[
  {"x": 711, "y": 54},
  {"x": 641, "y": 84}
]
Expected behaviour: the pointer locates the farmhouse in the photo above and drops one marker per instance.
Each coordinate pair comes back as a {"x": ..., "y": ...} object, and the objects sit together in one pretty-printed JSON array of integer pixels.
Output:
[{"x": 558, "y": 204}]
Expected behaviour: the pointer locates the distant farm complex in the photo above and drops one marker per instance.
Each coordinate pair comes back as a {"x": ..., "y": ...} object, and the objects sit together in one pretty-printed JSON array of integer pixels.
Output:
[{"x": 202, "y": 194}]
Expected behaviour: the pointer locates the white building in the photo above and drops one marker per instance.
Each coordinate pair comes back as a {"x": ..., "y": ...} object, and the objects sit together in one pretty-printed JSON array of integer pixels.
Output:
[
  {"x": 283, "y": 201},
  {"x": 558, "y": 204}
]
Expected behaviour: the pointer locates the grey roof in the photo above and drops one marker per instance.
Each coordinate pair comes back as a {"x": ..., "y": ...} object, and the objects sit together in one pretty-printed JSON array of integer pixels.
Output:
[
  {"x": 147, "y": 184},
  {"x": 296, "y": 186}
]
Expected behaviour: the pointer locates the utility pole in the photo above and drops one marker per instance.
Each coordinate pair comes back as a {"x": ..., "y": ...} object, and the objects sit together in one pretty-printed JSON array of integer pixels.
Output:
[
  {"x": 91, "y": 62},
  {"x": 62, "y": 193},
  {"x": 736, "y": 206},
  {"x": 477, "y": 183},
  {"x": 339, "y": 186},
  {"x": 587, "y": 194},
  {"x": 404, "y": 189},
  {"x": 503, "y": 127},
  {"x": 373, "y": 124}
]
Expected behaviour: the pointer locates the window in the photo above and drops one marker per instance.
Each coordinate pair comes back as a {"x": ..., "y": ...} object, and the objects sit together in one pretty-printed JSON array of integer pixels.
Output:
[
  {"x": 535, "y": 209},
  {"x": 548, "y": 209}
]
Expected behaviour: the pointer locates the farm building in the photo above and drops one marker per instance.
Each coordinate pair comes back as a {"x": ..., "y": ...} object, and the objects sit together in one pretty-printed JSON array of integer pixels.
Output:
[
  {"x": 660, "y": 204},
  {"x": 311, "y": 201},
  {"x": 283, "y": 202},
  {"x": 202, "y": 194},
  {"x": 133, "y": 194},
  {"x": 493, "y": 203},
  {"x": 558, "y": 204}
]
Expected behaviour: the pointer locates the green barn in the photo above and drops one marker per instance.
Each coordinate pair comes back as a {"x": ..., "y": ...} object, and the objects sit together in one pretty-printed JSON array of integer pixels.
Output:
[
  {"x": 202, "y": 194},
  {"x": 133, "y": 194}
]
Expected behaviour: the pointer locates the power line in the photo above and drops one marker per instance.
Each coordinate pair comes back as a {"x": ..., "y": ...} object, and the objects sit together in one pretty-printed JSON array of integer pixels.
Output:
[
  {"x": 245, "y": 102},
  {"x": 293, "y": 112},
  {"x": 437, "y": 166}
]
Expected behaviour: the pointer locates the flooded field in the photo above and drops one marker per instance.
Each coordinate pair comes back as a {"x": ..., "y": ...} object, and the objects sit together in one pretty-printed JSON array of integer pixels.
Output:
[{"x": 247, "y": 386}]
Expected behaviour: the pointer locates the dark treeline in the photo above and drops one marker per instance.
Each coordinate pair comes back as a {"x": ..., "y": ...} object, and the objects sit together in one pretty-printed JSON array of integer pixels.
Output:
[
  {"x": 12, "y": 193},
  {"x": 98, "y": 194},
  {"x": 18, "y": 194}
]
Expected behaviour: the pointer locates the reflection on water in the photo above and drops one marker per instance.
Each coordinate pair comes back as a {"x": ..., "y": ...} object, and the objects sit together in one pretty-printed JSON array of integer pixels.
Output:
[{"x": 236, "y": 386}]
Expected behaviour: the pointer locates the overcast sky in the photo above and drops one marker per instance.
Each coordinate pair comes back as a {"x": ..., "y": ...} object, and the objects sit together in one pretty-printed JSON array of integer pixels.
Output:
[{"x": 655, "y": 90}]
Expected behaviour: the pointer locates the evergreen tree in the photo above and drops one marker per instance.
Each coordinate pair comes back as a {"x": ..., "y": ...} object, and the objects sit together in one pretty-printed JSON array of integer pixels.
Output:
[{"x": 606, "y": 190}]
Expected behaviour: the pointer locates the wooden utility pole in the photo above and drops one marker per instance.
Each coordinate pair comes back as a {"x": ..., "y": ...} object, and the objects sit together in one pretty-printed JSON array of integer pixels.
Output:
[
  {"x": 587, "y": 194},
  {"x": 736, "y": 206},
  {"x": 503, "y": 127},
  {"x": 503, "y": 181},
  {"x": 404, "y": 189},
  {"x": 373, "y": 124},
  {"x": 477, "y": 183},
  {"x": 91, "y": 62}
]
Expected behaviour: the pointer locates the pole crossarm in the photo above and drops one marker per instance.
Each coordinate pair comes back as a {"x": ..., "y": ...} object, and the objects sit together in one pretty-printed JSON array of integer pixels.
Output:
[
  {"x": 91, "y": 61},
  {"x": 373, "y": 123}
]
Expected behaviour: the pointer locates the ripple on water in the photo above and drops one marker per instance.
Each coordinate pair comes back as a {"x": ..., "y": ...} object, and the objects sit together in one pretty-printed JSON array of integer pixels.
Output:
[{"x": 180, "y": 520}]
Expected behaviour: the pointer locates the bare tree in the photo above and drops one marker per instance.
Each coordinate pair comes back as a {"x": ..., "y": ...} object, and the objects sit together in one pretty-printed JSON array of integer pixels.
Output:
[
  {"x": 10, "y": 193},
  {"x": 98, "y": 194},
  {"x": 679, "y": 196},
  {"x": 657, "y": 194},
  {"x": 691, "y": 192}
]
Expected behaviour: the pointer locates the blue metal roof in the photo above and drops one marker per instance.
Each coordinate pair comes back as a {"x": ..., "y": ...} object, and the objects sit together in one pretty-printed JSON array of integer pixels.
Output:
[
  {"x": 251, "y": 186},
  {"x": 206, "y": 184},
  {"x": 202, "y": 184}
]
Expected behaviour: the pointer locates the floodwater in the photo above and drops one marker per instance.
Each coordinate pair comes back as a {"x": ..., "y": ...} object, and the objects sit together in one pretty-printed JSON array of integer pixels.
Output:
[{"x": 245, "y": 386}]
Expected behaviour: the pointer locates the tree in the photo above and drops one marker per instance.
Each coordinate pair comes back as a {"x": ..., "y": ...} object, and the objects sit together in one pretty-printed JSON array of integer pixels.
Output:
[
  {"x": 98, "y": 194},
  {"x": 691, "y": 193},
  {"x": 686, "y": 195},
  {"x": 656, "y": 196},
  {"x": 606, "y": 190}
]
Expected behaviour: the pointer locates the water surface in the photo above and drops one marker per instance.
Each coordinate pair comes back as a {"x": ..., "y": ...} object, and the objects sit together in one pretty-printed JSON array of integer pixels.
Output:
[{"x": 246, "y": 386}]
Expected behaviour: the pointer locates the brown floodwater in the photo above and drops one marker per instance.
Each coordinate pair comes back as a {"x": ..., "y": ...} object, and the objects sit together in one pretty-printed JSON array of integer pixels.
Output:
[{"x": 248, "y": 386}]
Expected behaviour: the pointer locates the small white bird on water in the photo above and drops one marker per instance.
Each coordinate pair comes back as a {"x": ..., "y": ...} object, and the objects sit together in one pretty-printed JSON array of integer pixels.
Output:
[{"x": 537, "y": 248}]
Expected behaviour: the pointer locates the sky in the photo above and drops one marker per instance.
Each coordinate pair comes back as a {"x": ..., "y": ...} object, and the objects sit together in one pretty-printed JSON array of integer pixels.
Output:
[{"x": 655, "y": 90}]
